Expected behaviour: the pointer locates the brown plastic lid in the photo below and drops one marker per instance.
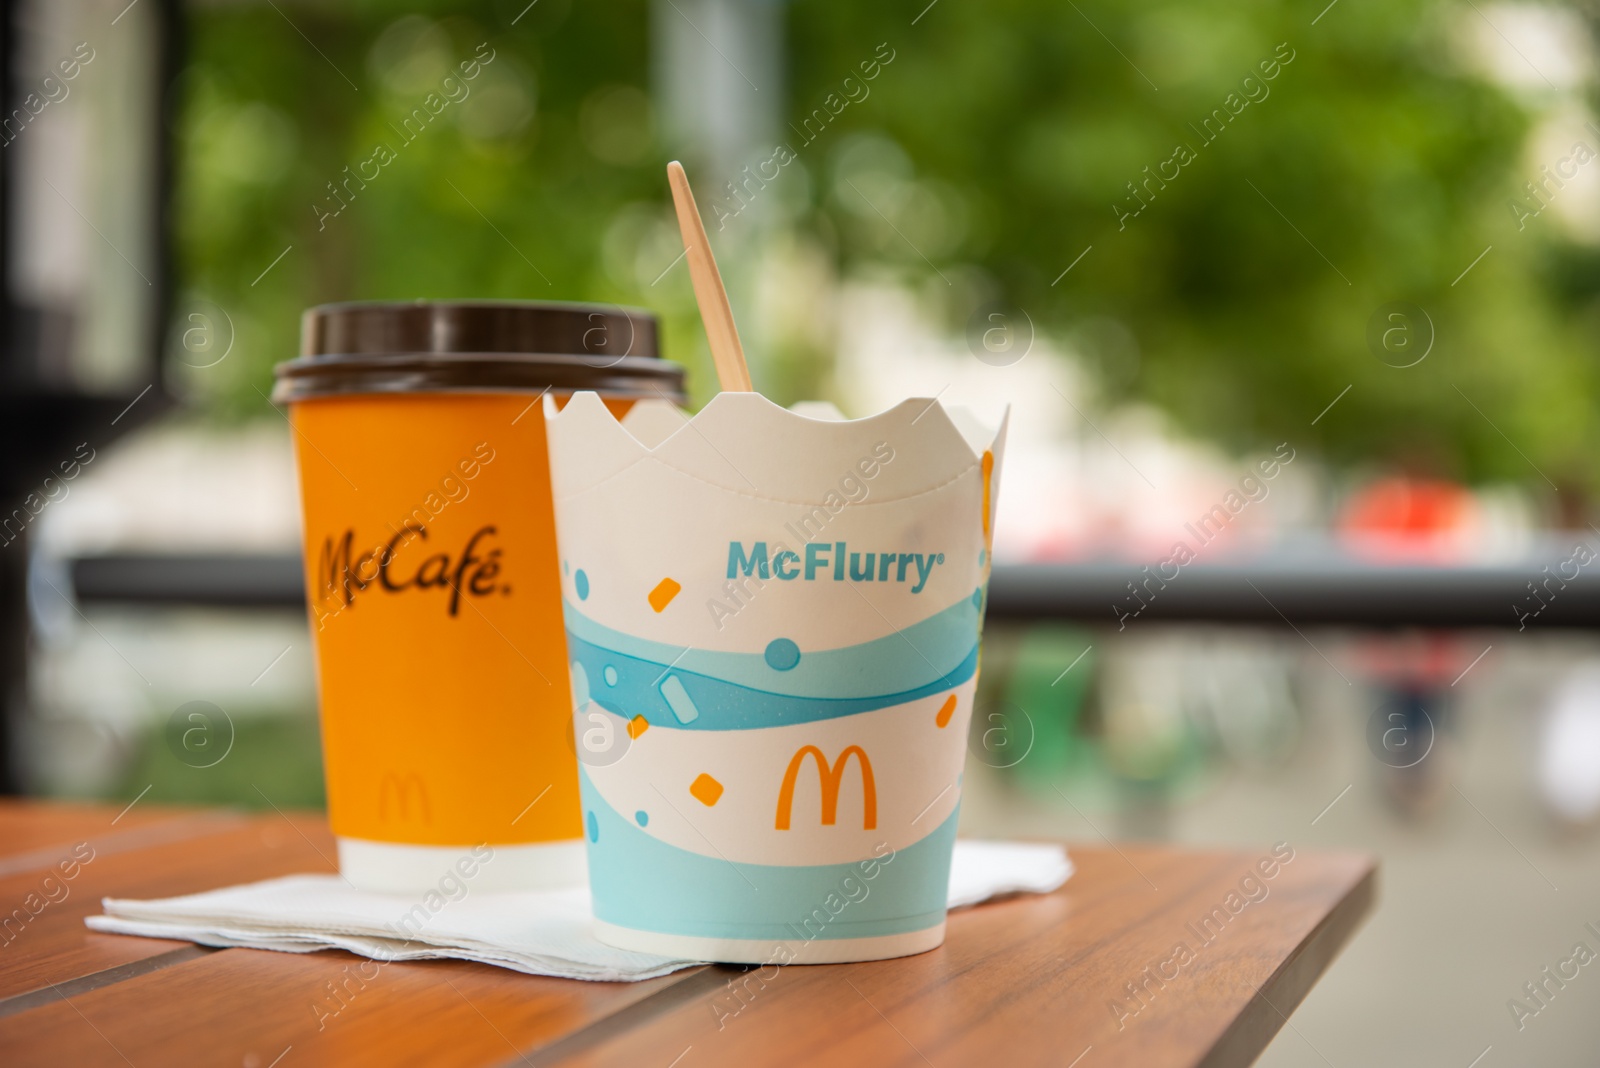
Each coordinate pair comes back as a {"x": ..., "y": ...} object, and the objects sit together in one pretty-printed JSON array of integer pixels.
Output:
[{"x": 477, "y": 347}]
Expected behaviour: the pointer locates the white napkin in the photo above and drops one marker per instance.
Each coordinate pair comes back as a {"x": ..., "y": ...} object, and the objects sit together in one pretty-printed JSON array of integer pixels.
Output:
[{"x": 541, "y": 933}]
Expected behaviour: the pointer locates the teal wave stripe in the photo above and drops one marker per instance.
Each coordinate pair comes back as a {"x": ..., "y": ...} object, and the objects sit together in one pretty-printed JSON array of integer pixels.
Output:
[
  {"x": 671, "y": 697},
  {"x": 901, "y": 660},
  {"x": 671, "y": 689},
  {"x": 642, "y": 882}
]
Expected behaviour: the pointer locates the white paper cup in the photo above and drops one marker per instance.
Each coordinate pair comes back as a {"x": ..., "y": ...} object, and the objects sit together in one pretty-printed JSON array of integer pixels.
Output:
[{"x": 773, "y": 625}]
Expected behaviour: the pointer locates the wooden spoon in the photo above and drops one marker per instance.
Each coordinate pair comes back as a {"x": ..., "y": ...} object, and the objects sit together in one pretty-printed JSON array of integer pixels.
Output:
[{"x": 726, "y": 352}]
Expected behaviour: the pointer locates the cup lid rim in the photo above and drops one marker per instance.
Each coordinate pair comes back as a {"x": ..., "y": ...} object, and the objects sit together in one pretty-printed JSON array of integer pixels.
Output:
[
  {"x": 339, "y": 374},
  {"x": 396, "y": 346}
]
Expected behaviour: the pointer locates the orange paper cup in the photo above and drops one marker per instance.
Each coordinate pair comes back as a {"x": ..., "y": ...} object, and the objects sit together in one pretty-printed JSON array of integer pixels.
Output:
[{"x": 433, "y": 582}]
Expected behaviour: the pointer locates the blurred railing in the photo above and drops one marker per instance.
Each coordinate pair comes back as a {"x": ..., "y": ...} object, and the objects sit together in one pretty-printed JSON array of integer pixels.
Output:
[{"x": 1299, "y": 589}]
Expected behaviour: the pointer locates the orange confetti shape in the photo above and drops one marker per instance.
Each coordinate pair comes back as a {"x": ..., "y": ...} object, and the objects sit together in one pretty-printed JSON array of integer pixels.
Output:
[
  {"x": 946, "y": 710},
  {"x": 706, "y": 790},
  {"x": 663, "y": 594},
  {"x": 637, "y": 726}
]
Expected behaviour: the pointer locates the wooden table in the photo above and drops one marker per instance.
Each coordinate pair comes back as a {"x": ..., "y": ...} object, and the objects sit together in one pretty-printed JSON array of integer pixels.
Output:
[{"x": 1030, "y": 980}]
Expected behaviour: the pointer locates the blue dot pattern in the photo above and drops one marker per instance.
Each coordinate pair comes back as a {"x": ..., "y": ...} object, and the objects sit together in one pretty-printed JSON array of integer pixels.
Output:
[
  {"x": 782, "y": 654},
  {"x": 581, "y": 581}
]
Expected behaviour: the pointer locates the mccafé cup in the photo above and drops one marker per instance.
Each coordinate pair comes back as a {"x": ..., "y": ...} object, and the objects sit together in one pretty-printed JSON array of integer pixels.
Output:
[
  {"x": 772, "y": 627},
  {"x": 432, "y": 578}
]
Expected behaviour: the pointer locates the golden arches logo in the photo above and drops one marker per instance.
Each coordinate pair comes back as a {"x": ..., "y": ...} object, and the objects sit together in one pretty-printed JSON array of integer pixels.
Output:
[
  {"x": 830, "y": 777},
  {"x": 403, "y": 788}
]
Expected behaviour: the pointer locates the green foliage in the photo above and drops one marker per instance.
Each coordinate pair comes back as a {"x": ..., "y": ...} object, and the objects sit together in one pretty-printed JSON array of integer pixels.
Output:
[
  {"x": 990, "y": 153},
  {"x": 274, "y": 759},
  {"x": 1239, "y": 298},
  {"x": 503, "y": 195}
]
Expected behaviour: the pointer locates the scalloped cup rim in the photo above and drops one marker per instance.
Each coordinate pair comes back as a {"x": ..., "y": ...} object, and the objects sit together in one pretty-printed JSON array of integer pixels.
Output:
[{"x": 926, "y": 406}]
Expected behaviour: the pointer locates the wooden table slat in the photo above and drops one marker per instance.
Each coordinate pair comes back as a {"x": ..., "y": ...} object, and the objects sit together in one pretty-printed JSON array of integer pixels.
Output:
[
  {"x": 42, "y": 936},
  {"x": 34, "y": 834},
  {"x": 1037, "y": 979},
  {"x": 242, "y": 1006},
  {"x": 1036, "y": 976}
]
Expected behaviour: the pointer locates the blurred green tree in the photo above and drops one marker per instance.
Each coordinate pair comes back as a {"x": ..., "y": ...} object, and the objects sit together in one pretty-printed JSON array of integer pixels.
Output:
[
  {"x": 1232, "y": 270},
  {"x": 312, "y": 129}
]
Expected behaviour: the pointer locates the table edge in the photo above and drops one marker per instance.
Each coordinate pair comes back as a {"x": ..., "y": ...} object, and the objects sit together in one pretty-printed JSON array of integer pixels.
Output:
[{"x": 1247, "y": 1035}]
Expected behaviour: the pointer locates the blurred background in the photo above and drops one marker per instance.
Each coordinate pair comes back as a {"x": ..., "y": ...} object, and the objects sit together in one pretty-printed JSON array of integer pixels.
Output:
[{"x": 1306, "y": 289}]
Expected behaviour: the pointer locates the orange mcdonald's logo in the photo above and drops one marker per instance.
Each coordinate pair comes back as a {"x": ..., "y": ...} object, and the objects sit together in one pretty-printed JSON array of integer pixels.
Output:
[
  {"x": 830, "y": 779},
  {"x": 404, "y": 788}
]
